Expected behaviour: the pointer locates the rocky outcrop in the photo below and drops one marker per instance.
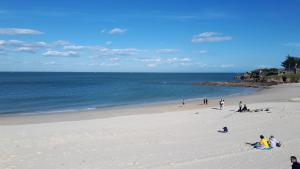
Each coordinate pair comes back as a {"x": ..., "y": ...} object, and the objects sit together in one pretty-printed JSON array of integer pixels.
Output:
[{"x": 237, "y": 84}]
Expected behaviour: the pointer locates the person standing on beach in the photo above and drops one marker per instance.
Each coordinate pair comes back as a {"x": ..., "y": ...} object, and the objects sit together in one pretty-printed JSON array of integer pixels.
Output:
[
  {"x": 222, "y": 104},
  {"x": 183, "y": 102},
  {"x": 205, "y": 101},
  {"x": 295, "y": 164}
]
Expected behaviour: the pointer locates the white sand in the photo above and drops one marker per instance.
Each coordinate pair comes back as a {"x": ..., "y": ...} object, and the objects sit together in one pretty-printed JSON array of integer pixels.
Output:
[{"x": 181, "y": 137}]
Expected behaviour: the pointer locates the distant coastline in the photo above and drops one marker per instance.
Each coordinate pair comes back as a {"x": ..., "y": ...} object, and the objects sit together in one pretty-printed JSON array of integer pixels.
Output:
[{"x": 238, "y": 84}]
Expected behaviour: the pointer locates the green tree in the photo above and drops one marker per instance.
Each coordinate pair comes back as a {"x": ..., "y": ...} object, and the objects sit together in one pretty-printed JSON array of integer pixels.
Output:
[{"x": 291, "y": 62}]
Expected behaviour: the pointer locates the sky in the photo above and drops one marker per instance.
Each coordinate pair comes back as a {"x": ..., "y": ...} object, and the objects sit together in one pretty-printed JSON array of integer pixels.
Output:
[{"x": 147, "y": 35}]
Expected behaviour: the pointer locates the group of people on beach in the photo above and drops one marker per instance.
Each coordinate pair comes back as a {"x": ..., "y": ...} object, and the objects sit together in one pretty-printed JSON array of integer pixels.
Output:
[
  {"x": 267, "y": 144},
  {"x": 242, "y": 107},
  {"x": 205, "y": 101},
  {"x": 263, "y": 144}
]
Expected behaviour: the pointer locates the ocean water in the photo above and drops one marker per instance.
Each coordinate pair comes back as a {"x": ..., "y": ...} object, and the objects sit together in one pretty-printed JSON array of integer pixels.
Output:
[{"x": 57, "y": 92}]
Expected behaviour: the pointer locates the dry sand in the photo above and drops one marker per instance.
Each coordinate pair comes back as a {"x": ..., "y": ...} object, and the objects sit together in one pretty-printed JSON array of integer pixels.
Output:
[{"x": 157, "y": 136}]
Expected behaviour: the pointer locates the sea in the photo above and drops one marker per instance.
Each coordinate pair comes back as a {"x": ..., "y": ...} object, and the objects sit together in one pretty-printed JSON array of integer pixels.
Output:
[{"x": 45, "y": 92}]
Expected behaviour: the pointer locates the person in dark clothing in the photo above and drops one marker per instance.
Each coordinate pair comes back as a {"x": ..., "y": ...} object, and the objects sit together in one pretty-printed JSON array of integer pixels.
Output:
[
  {"x": 245, "y": 108},
  {"x": 225, "y": 129},
  {"x": 295, "y": 164},
  {"x": 240, "y": 106}
]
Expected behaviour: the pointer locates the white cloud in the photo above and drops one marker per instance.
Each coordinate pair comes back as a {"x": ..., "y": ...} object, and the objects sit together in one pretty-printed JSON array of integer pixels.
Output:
[
  {"x": 50, "y": 63},
  {"x": 117, "y": 31},
  {"x": 19, "y": 43},
  {"x": 19, "y": 31},
  {"x": 208, "y": 34},
  {"x": 2, "y": 42},
  {"x": 103, "y": 64},
  {"x": 74, "y": 47},
  {"x": 210, "y": 37},
  {"x": 150, "y": 60},
  {"x": 113, "y": 52},
  {"x": 171, "y": 60},
  {"x": 154, "y": 62},
  {"x": 185, "y": 59},
  {"x": 151, "y": 65},
  {"x": 26, "y": 49},
  {"x": 61, "y": 43},
  {"x": 61, "y": 54},
  {"x": 167, "y": 51}
]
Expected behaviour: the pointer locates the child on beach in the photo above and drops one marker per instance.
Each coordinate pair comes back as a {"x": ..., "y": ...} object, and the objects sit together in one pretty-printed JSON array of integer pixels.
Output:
[{"x": 274, "y": 142}]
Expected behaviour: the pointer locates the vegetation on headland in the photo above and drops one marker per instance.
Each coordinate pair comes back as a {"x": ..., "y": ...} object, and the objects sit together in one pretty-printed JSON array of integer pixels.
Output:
[{"x": 290, "y": 73}]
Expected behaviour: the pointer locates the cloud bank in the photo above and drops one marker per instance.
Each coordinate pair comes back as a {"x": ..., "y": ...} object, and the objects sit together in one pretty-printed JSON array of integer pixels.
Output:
[
  {"x": 210, "y": 37},
  {"x": 19, "y": 31}
]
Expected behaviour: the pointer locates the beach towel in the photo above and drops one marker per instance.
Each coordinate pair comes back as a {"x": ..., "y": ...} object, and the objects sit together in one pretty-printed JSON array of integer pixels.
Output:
[{"x": 261, "y": 148}]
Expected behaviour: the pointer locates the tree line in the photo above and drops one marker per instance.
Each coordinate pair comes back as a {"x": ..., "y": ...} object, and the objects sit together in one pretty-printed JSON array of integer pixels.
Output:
[{"x": 291, "y": 62}]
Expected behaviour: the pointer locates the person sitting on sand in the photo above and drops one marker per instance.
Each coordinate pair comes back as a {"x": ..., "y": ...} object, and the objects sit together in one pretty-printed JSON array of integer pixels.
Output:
[
  {"x": 295, "y": 164},
  {"x": 274, "y": 142},
  {"x": 225, "y": 129},
  {"x": 262, "y": 144},
  {"x": 240, "y": 106},
  {"x": 245, "y": 108}
]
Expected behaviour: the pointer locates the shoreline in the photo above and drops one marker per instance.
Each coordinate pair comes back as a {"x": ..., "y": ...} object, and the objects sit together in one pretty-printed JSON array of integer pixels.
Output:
[
  {"x": 115, "y": 111},
  {"x": 132, "y": 105},
  {"x": 158, "y": 101},
  {"x": 137, "y": 109}
]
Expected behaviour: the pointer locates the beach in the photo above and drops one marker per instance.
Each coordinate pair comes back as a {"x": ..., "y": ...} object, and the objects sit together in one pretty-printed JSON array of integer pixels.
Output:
[{"x": 166, "y": 135}]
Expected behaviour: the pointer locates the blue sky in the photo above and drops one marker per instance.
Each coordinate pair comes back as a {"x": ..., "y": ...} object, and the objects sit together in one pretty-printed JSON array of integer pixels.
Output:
[{"x": 147, "y": 35}]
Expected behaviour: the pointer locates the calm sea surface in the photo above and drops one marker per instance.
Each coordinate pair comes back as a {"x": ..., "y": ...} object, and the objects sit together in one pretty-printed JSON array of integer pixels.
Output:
[{"x": 55, "y": 92}]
